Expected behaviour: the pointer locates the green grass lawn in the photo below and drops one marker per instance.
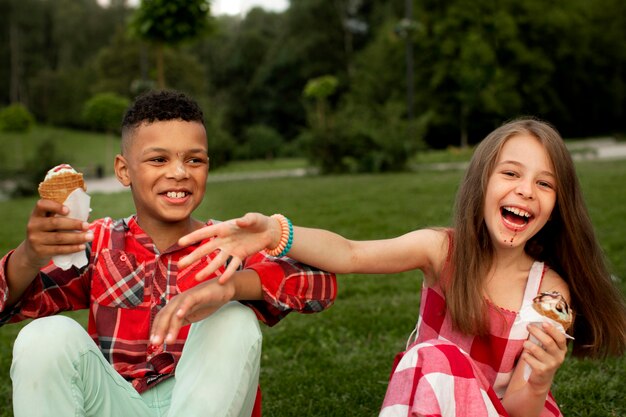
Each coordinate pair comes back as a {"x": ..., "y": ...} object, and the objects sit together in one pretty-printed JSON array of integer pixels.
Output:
[
  {"x": 337, "y": 363},
  {"x": 84, "y": 150}
]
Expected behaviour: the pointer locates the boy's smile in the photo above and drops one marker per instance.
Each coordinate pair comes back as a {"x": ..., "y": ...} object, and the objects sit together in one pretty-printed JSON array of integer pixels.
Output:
[
  {"x": 166, "y": 166},
  {"x": 521, "y": 192}
]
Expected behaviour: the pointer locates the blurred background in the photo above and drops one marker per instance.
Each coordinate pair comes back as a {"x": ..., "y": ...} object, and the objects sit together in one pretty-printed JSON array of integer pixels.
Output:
[
  {"x": 350, "y": 85},
  {"x": 329, "y": 86}
]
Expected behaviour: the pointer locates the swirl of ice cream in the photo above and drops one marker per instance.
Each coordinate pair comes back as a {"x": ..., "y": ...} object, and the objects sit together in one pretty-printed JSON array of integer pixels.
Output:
[
  {"x": 553, "y": 305},
  {"x": 58, "y": 170}
]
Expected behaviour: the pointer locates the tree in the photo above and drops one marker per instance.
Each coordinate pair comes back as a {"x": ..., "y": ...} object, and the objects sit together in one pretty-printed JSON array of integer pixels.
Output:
[
  {"x": 466, "y": 55},
  {"x": 320, "y": 89},
  {"x": 170, "y": 22},
  {"x": 120, "y": 68}
]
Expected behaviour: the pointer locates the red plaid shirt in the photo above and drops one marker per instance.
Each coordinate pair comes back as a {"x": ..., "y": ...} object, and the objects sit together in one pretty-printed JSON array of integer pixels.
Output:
[{"x": 127, "y": 281}]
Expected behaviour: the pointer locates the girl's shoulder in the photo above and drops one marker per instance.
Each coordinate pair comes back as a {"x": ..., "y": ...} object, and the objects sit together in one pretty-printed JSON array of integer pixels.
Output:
[
  {"x": 437, "y": 248},
  {"x": 552, "y": 281}
]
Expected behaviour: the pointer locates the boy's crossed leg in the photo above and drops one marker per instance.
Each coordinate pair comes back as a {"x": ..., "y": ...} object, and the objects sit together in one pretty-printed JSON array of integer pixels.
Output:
[{"x": 58, "y": 370}]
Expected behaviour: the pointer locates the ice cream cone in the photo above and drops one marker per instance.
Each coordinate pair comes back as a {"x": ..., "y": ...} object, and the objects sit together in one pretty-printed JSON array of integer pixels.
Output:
[
  {"x": 554, "y": 306},
  {"x": 60, "y": 182}
]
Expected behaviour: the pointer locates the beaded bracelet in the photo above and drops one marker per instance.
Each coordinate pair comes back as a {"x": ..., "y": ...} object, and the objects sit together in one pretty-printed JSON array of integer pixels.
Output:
[{"x": 286, "y": 237}]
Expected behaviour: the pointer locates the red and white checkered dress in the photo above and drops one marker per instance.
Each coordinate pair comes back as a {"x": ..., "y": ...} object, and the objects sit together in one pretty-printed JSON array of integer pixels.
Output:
[{"x": 447, "y": 373}]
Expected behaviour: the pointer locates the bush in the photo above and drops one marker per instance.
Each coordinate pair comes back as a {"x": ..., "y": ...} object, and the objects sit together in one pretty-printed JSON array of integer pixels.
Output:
[
  {"x": 16, "y": 118},
  {"x": 104, "y": 112},
  {"x": 366, "y": 139},
  {"x": 262, "y": 142}
]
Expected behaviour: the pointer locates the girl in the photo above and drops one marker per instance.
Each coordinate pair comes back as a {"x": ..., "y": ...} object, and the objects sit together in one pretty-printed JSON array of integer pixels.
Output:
[{"x": 521, "y": 227}]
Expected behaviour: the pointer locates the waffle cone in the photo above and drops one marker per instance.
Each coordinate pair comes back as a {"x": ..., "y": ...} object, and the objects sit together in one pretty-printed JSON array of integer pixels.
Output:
[
  {"x": 60, "y": 186},
  {"x": 552, "y": 315}
]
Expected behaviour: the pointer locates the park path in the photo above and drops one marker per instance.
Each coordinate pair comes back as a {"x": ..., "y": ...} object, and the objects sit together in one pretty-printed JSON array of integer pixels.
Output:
[
  {"x": 591, "y": 149},
  {"x": 112, "y": 185}
]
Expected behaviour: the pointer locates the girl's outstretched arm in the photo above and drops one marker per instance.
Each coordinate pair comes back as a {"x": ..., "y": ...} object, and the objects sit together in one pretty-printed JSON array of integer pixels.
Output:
[{"x": 239, "y": 238}]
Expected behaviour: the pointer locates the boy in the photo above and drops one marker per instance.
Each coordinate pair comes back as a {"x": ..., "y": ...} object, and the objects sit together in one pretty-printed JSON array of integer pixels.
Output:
[{"x": 132, "y": 273}]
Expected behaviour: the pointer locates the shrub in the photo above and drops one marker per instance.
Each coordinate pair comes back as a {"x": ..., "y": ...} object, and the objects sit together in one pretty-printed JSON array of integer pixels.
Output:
[
  {"x": 16, "y": 118},
  {"x": 104, "y": 112},
  {"x": 263, "y": 142},
  {"x": 366, "y": 139}
]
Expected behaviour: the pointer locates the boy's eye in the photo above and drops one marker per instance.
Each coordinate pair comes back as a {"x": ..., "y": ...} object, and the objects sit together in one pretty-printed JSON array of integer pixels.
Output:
[{"x": 158, "y": 159}]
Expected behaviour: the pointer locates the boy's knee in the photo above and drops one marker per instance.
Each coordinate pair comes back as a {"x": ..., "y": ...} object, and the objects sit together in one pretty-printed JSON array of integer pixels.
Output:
[
  {"x": 47, "y": 335},
  {"x": 246, "y": 320},
  {"x": 239, "y": 318},
  {"x": 240, "y": 314},
  {"x": 235, "y": 320}
]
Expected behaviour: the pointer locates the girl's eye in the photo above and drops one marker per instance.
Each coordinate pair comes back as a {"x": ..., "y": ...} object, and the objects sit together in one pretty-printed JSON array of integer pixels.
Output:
[
  {"x": 509, "y": 173},
  {"x": 545, "y": 184}
]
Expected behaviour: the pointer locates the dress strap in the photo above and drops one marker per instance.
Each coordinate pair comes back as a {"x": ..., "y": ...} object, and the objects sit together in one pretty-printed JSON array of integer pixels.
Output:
[{"x": 535, "y": 276}]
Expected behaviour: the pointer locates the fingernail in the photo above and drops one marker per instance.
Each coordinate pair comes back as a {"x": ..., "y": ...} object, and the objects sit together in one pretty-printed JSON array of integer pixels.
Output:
[
  {"x": 85, "y": 225},
  {"x": 89, "y": 236}
]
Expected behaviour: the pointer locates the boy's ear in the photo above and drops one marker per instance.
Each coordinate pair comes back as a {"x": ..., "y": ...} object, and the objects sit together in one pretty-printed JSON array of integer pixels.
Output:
[{"x": 121, "y": 170}]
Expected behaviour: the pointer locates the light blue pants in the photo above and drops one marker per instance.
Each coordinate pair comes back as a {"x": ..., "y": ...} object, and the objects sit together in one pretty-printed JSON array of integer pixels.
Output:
[{"x": 58, "y": 371}]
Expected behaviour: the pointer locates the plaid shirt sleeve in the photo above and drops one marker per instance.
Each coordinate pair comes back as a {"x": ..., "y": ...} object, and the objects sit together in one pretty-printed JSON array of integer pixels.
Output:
[
  {"x": 52, "y": 291},
  {"x": 289, "y": 286}
]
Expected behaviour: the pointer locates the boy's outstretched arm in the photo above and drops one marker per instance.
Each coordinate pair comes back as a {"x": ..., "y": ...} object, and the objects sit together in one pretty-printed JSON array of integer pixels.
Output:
[{"x": 48, "y": 233}]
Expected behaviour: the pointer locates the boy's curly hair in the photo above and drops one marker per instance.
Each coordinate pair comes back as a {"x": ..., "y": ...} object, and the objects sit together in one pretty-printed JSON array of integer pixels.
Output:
[
  {"x": 159, "y": 105},
  {"x": 162, "y": 105}
]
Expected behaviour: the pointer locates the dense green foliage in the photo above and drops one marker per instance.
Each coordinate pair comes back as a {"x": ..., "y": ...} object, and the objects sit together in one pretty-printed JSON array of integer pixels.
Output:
[
  {"x": 475, "y": 65},
  {"x": 337, "y": 363}
]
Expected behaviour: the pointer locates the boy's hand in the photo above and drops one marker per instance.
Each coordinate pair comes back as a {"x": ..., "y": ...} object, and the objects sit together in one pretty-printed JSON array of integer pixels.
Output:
[
  {"x": 188, "y": 307},
  {"x": 546, "y": 359},
  {"x": 235, "y": 239},
  {"x": 50, "y": 233}
]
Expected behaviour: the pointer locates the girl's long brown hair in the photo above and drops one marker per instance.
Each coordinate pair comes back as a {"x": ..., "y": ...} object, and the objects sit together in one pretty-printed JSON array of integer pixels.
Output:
[{"x": 567, "y": 243}]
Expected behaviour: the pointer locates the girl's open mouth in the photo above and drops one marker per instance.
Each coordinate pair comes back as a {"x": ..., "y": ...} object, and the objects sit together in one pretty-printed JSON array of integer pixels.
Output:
[{"x": 515, "y": 217}]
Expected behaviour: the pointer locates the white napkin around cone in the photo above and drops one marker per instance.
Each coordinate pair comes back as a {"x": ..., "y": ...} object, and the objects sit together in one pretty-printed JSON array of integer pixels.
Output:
[
  {"x": 78, "y": 204},
  {"x": 529, "y": 315}
]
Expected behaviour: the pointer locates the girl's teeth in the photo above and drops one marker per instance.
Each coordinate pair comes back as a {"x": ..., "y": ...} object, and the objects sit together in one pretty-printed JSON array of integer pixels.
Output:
[
  {"x": 517, "y": 211},
  {"x": 174, "y": 194}
]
